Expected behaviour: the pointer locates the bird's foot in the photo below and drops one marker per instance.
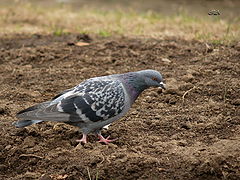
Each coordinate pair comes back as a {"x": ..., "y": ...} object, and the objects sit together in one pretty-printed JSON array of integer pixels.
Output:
[
  {"x": 105, "y": 140},
  {"x": 83, "y": 140}
]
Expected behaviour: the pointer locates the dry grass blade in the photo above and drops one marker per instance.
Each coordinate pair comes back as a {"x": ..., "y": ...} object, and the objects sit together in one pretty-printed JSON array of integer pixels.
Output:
[
  {"x": 183, "y": 97},
  {"x": 89, "y": 175},
  {"x": 31, "y": 155}
]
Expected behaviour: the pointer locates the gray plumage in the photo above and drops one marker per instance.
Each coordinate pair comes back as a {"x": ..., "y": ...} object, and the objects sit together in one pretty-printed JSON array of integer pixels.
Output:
[{"x": 94, "y": 103}]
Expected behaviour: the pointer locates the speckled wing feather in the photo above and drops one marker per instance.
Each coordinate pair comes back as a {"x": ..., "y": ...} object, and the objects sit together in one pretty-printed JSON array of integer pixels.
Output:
[{"x": 92, "y": 100}]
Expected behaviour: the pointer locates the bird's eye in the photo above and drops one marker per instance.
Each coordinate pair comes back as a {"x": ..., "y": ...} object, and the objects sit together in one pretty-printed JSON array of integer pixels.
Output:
[{"x": 154, "y": 78}]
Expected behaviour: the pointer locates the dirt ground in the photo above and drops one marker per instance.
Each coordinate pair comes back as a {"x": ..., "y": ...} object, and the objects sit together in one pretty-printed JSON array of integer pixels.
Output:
[{"x": 189, "y": 131}]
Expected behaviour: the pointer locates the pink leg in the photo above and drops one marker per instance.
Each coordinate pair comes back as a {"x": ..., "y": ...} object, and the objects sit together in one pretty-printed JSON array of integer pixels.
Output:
[
  {"x": 83, "y": 140},
  {"x": 105, "y": 140}
]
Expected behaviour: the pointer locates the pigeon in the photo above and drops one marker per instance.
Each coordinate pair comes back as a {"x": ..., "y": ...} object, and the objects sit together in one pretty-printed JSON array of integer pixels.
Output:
[{"x": 94, "y": 103}]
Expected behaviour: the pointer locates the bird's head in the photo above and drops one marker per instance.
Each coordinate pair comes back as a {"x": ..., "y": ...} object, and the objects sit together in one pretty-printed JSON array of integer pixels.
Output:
[{"x": 152, "y": 78}]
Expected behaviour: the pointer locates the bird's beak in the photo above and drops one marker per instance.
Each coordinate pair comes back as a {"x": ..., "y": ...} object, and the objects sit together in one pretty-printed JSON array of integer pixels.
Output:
[{"x": 162, "y": 85}]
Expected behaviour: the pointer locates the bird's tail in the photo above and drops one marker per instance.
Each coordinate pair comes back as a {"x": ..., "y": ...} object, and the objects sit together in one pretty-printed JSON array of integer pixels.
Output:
[
  {"x": 24, "y": 115},
  {"x": 31, "y": 109},
  {"x": 24, "y": 123}
]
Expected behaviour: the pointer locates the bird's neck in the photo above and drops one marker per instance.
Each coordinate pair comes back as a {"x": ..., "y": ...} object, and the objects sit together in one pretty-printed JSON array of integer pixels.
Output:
[{"x": 135, "y": 85}]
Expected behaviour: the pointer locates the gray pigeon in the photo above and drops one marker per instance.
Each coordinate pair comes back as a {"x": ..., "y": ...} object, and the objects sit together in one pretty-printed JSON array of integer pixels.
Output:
[{"x": 94, "y": 103}]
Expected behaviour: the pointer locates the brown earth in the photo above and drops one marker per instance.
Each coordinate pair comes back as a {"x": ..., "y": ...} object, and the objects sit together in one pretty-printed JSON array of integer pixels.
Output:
[{"x": 190, "y": 131}]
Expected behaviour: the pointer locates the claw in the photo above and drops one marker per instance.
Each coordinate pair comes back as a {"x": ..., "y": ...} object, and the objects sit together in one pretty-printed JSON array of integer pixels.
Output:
[
  {"x": 105, "y": 140},
  {"x": 83, "y": 140}
]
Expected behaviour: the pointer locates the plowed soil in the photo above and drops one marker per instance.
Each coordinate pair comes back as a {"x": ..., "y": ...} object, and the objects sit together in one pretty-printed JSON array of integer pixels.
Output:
[{"x": 189, "y": 131}]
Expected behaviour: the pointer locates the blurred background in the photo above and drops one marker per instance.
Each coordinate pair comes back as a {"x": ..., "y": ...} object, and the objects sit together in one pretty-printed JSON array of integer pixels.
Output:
[
  {"x": 228, "y": 8},
  {"x": 207, "y": 20}
]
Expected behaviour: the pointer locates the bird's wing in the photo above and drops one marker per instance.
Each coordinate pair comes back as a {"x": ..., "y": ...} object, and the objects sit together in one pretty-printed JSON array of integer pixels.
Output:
[
  {"x": 61, "y": 93},
  {"x": 93, "y": 100}
]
